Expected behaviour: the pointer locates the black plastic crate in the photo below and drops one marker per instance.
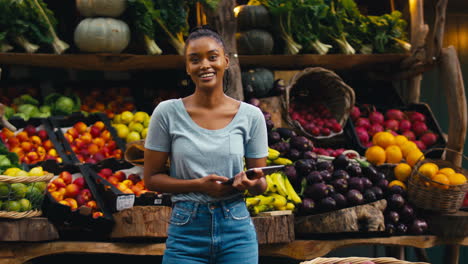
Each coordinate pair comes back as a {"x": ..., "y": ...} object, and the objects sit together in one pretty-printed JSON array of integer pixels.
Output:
[
  {"x": 117, "y": 200},
  {"x": 45, "y": 125},
  {"x": 422, "y": 108},
  {"x": 61, "y": 122},
  {"x": 74, "y": 224}
]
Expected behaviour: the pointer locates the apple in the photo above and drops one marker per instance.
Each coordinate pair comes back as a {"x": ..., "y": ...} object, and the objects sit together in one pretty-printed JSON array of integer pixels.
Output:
[
  {"x": 91, "y": 204},
  {"x": 111, "y": 145},
  {"x": 135, "y": 178},
  {"x": 73, "y": 203},
  {"x": 80, "y": 182},
  {"x": 80, "y": 199},
  {"x": 66, "y": 177},
  {"x": 30, "y": 129},
  {"x": 43, "y": 135},
  {"x": 59, "y": 183},
  {"x": 106, "y": 171},
  {"x": 120, "y": 175},
  {"x": 86, "y": 193},
  {"x": 95, "y": 131},
  {"x": 72, "y": 190}
]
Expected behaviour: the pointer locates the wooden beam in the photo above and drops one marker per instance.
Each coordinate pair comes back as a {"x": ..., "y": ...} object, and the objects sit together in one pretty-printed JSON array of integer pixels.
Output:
[{"x": 435, "y": 44}]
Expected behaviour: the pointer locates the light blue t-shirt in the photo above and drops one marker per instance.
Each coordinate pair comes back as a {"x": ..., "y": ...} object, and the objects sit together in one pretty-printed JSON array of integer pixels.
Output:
[{"x": 196, "y": 152}]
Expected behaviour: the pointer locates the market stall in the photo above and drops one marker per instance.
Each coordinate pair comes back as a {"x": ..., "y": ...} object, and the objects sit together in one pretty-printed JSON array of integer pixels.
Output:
[{"x": 358, "y": 170}]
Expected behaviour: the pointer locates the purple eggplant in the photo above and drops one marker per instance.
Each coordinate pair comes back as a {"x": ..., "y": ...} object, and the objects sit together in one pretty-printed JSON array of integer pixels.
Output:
[
  {"x": 286, "y": 133},
  {"x": 418, "y": 227},
  {"x": 369, "y": 196},
  {"x": 326, "y": 175},
  {"x": 396, "y": 202},
  {"x": 366, "y": 182},
  {"x": 377, "y": 177},
  {"x": 273, "y": 137},
  {"x": 378, "y": 192},
  {"x": 392, "y": 217},
  {"x": 324, "y": 165},
  {"x": 407, "y": 213},
  {"x": 309, "y": 155},
  {"x": 340, "y": 162},
  {"x": 293, "y": 154},
  {"x": 401, "y": 229},
  {"x": 327, "y": 204},
  {"x": 282, "y": 146},
  {"x": 340, "y": 174},
  {"x": 269, "y": 124},
  {"x": 354, "y": 197},
  {"x": 341, "y": 185},
  {"x": 383, "y": 184},
  {"x": 390, "y": 229},
  {"x": 396, "y": 189},
  {"x": 314, "y": 177},
  {"x": 369, "y": 172},
  {"x": 303, "y": 167},
  {"x": 340, "y": 200},
  {"x": 300, "y": 142},
  {"x": 356, "y": 183},
  {"x": 307, "y": 206},
  {"x": 316, "y": 191},
  {"x": 354, "y": 170},
  {"x": 331, "y": 189}
]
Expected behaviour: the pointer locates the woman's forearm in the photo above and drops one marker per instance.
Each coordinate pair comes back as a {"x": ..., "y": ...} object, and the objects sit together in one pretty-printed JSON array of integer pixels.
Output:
[{"x": 164, "y": 183}]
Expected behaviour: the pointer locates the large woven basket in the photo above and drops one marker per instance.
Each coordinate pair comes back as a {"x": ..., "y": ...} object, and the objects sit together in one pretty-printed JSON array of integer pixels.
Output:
[
  {"x": 319, "y": 85},
  {"x": 359, "y": 260},
  {"x": 36, "y": 204},
  {"x": 423, "y": 194}
]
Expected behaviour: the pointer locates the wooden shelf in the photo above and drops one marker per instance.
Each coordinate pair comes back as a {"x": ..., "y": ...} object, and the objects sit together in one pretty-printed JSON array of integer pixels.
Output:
[
  {"x": 16, "y": 253},
  {"x": 127, "y": 62}
]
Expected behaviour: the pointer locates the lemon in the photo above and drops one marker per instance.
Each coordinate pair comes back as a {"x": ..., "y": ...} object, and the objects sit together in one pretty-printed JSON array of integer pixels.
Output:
[
  {"x": 138, "y": 127},
  {"x": 146, "y": 122},
  {"x": 144, "y": 132},
  {"x": 428, "y": 169},
  {"x": 402, "y": 171},
  {"x": 11, "y": 171},
  {"x": 393, "y": 154},
  {"x": 133, "y": 136},
  {"x": 140, "y": 117},
  {"x": 126, "y": 117},
  {"x": 21, "y": 173},
  {"x": 408, "y": 147},
  {"x": 414, "y": 156},
  {"x": 457, "y": 179},
  {"x": 117, "y": 119},
  {"x": 385, "y": 140},
  {"x": 447, "y": 171},
  {"x": 36, "y": 171},
  {"x": 400, "y": 140},
  {"x": 375, "y": 155},
  {"x": 122, "y": 130}
]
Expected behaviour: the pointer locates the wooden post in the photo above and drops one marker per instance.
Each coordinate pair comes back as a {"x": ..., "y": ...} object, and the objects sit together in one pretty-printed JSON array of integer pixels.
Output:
[
  {"x": 435, "y": 44},
  {"x": 419, "y": 32},
  {"x": 225, "y": 23}
]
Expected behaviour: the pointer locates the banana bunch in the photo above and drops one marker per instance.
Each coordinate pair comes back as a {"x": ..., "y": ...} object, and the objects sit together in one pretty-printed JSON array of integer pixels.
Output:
[
  {"x": 274, "y": 158},
  {"x": 279, "y": 195}
]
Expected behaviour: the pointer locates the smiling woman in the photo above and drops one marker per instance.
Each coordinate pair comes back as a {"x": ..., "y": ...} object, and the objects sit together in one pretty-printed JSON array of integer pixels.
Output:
[{"x": 207, "y": 136}]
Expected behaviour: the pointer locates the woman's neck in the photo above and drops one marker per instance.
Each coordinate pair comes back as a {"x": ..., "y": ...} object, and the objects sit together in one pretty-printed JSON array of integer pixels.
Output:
[{"x": 209, "y": 99}]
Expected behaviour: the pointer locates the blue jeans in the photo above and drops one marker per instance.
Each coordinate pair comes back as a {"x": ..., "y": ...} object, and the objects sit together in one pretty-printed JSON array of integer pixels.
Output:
[{"x": 220, "y": 232}]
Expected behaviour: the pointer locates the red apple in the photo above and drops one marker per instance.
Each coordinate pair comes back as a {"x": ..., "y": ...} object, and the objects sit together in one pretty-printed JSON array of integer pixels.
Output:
[
  {"x": 120, "y": 175},
  {"x": 135, "y": 178},
  {"x": 80, "y": 199},
  {"x": 106, "y": 171},
  {"x": 30, "y": 129},
  {"x": 80, "y": 182},
  {"x": 95, "y": 131},
  {"x": 86, "y": 193},
  {"x": 43, "y": 135},
  {"x": 66, "y": 177},
  {"x": 59, "y": 183}
]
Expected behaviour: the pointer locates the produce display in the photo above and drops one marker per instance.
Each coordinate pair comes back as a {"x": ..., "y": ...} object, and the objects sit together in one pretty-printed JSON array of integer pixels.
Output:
[
  {"x": 72, "y": 191},
  {"x": 315, "y": 119},
  {"x": 110, "y": 101},
  {"x": 131, "y": 183},
  {"x": 7, "y": 159},
  {"x": 92, "y": 143},
  {"x": 131, "y": 127},
  {"x": 21, "y": 197},
  {"x": 31, "y": 144}
]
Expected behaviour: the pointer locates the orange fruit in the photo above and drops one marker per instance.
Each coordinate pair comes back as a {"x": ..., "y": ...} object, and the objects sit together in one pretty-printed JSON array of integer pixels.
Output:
[
  {"x": 414, "y": 156},
  {"x": 398, "y": 183},
  {"x": 400, "y": 140},
  {"x": 440, "y": 179},
  {"x": 376, "y": 136},
  {"x": 447, "y": 171},
  {"x": 407, "y": 147},
  {"x": 457, "y": 179},
  {"x": 393, "y": 154},
  {"x": 402, "y": 171},
  {"x": 375, "y": 155},
  {"x": 428, "y": 169},
  {"x": 385, "y": 140}
]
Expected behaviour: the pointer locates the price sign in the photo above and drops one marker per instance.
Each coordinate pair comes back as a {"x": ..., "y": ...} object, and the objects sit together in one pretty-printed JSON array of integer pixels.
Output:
[{"x": 125, "y": 202}]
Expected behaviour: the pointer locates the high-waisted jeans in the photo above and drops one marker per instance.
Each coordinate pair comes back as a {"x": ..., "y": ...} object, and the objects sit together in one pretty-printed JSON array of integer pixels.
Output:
[{"x": 220, "y": 232}]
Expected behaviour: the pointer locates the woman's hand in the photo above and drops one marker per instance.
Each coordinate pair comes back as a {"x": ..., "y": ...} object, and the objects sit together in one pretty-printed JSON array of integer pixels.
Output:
[
  {"x": 256, "y": 185},
  {"x": 213, "y": 186}
]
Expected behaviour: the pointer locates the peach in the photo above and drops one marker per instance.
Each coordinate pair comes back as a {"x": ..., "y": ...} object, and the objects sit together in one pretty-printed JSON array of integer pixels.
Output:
[
  {"x": 13, "y": 142},
  {"x": 7, "y": 132},
  {"x": 117, "y": 154},
  {"x": 106, "y": 171},
  {"x": 72, "y": 190},
  {"x": 112, "y": 145},
  {"x": 73, "y": 203},
  {"x": 26, "y": 146},
  {"x": 17, "y": 150},
  {"x": 32, "y": 156},
  {"x": 62, "y": 191},
  {"x": 51, "y": 187},
  {"x": 120, "y": 175},
  {"x": 80, "y": 182},
  {"x": 113, "y": 180},
  {"x": 59, "y": 183},
  {"x": 80, "y": 127},
  {"x": 93, "y": 148},
  {"x": 41, "y": 152},
  {"x": 58, "y": 196},
  {"x": 36, "y": 140},
  {"x": 129, "y": 191},
  {"x": 99, "y": 142},
  {"x": 128, "y": 183},
  {"x": 64, "y": 203},
  {"x": 69, "y": 138},
  {"x": 52, "y": 153},
  {"x": 97, "y": 215},
  {"x": 47, "y": 144},
  {"x": 22, "y": 136},
  {"x": 73, "y": 132},
  {"x": 91, "y": 204},
  {"x": 106, "y": 135},
  {"x": 95, "y": 131},
  {"x": 59, "y": 159},
  {"x": 136, "y": 188},
  {"x": 100, "y": 125},
  {"x": 24, "y": 159},
  {"x": 86, "y": 137},
  {"x": 86, "y": 193},
  {"x": 66, "y": 177},
  {"x": 43, "y": 135},
  {"x": 80, "y": 144}
]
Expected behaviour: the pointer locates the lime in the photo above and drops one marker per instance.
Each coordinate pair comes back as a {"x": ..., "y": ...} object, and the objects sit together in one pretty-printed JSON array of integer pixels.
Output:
[
  {"x": 40, "y": 185},
  {"x": 4, "y": 190},
  {"x": 18, "y": 190},
  {"x": 126, "y": 117},
  {"x": 33, "y": 193},
  {"x": 138, "y": 127},
  {"x": 140, "y": 117},
  {"x": 13, "y": 206},
  {"x": 25, "y": 205},
  {"x": 133, "y": 136}
]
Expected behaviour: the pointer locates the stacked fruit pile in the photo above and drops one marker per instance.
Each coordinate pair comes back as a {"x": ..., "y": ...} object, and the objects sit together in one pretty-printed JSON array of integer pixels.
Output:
[
  {"x": 410, "y": 124},
  {"x": 73, "y": 193},
  {"x": 92, "y": 144},
  {"x": 316, "y": 119},
  {"x": 131, "y": 127},
  {"x": 32, "y": 145},
  {"x": 109, "y": 101},
  {"x": 279, "y": 195},
  {"x": 20, "y": 197},
  {"x": 132, "y": 183}
]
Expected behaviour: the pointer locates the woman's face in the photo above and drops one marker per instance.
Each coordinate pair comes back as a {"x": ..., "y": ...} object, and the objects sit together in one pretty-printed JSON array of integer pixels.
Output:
[{"x": 206, "y": 62}]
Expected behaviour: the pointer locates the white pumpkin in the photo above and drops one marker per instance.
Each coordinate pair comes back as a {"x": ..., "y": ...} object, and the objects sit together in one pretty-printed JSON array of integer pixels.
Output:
[
  {"x": 102, "y": 35},
  {"x": 109, "y": 8}
]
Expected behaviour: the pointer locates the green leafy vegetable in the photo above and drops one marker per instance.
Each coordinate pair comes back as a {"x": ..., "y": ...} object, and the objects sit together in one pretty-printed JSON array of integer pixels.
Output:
[{"x": 25, "y": 99}]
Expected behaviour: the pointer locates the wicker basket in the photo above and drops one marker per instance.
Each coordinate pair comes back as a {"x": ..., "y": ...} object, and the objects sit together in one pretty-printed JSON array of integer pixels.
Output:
[
  {"x": 423, "y": 194},
  {"x": 319, "y": 85},
  {"x": 134, "y": 152},
  {"x": 358, "y": 260},
  {"x": 36, "y": 203}
]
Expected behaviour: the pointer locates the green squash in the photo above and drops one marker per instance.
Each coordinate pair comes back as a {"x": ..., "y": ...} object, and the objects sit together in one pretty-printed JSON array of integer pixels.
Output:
[
  {"x": 257, "y": 82},
  {"x": 254, "y": 42},
  {"x": 253, "y": 16}
]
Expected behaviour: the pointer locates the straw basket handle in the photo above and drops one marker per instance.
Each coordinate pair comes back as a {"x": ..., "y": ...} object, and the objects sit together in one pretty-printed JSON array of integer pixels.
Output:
[{"x": 359, "y": 260}]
